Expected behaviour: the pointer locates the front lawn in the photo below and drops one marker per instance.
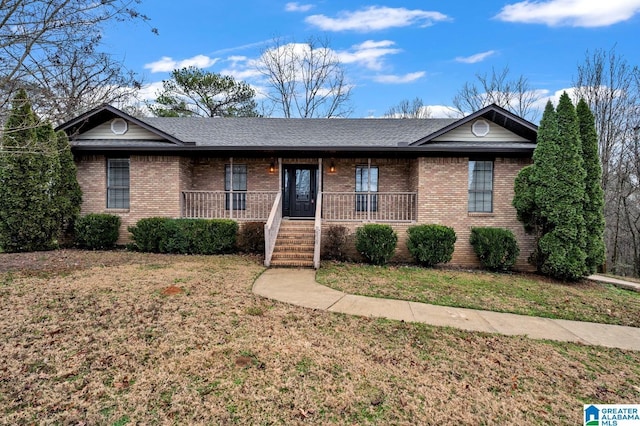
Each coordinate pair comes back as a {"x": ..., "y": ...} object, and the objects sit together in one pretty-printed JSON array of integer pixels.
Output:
[
  {"x": 525, "y": 294},
  {"x": 119, "y": 338}
]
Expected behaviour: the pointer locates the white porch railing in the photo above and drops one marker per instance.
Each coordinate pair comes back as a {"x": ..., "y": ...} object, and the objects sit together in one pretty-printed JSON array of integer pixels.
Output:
[
  {"x": 317, "y": 227},
  {"x": 369, "y": 206},
  {"x": 271, "y": 229},
  {"x": 240, "y": 205}
]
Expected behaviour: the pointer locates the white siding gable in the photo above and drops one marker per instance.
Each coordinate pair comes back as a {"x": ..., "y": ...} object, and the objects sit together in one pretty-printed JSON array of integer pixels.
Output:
[
  {"x": 134, "y": 132},
  {"x": 464, "y": 134}
]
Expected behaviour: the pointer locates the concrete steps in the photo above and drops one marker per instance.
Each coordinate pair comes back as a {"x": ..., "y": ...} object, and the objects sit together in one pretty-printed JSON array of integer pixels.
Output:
[{"x": 294, "y": 245}]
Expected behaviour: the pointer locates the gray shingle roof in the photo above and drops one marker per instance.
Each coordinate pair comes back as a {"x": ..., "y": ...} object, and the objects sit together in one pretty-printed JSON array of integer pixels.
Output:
[{"x": 294, "y": 132}]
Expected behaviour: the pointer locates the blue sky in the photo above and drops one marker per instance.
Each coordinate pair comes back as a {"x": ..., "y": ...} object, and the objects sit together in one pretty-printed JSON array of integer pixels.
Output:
[{"x": 391, "y": 50}]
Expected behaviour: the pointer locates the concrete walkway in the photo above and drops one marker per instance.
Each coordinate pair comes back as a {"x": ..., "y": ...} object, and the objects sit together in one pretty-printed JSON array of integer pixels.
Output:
[
  {"x": 299, "y": 287},
  {"x": 627, "y": 285}
]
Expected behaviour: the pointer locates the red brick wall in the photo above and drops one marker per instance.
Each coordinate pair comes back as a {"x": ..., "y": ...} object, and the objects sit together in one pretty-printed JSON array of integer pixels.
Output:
[
  {"x": 441, "y": 183},
  {"x": 394, "y": 175},
  {"x": 443, "y": 199},
  {"x": 442, "y": 186},
  {"x": 208, "y": 174},
  {"x": 155, "y": 183}
]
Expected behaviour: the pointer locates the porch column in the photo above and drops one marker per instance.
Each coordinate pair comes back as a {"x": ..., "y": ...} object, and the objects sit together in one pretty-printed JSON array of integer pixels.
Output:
[
  {"x": 368, "y": 189},
  {"x": 230, "y": 187},
  {"x": 319, "y": 183}
]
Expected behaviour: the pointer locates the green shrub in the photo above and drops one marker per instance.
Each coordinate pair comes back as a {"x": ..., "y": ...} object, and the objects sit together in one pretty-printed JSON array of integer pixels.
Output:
[
  {"x": 251, "y": 237},
  {"x": 497, "y": 248},
  {"x": 335, "y": 242},
  {"x": 147, "y": 234},
  {"x": 184, "y": 236},
  {"x": 431, "y": 244},
  {"x": 97, "y": 231},
  {"x": 376, "y": 243}
]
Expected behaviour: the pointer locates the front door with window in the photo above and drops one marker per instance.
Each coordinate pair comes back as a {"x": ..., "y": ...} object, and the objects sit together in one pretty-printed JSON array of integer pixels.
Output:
[{"x": 299, "y": 190}]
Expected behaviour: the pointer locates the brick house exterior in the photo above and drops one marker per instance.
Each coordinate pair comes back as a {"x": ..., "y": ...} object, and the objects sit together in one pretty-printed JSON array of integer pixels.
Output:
[{"x": 403, "y": 172}]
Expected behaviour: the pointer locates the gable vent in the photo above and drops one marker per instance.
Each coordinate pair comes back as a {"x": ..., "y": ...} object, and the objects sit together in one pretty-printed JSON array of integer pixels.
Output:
[
  {"x": 480, "y": 128},
  {"x": 119, "y": 126}
]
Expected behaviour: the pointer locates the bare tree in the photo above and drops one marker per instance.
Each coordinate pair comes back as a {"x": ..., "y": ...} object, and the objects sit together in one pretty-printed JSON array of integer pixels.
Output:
[
  {"x": 409, "y": 109},
  {"x": 515, "y": 95},
  {"x": 609, "y": 84},
  {"x": 611, "y": 87},
  {"x": 305, "y": 80},
  {"x": 51, "y": 47}
]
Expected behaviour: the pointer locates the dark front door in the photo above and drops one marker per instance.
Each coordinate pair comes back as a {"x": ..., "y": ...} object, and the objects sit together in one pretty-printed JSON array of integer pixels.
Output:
[{"x": 300, "y": 191}]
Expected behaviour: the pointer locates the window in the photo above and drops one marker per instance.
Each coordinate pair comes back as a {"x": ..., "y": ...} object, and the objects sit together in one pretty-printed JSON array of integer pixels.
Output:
[
  {"x": 481, "y": 186},
  {"x": 366, "y": 181},
  {"x": 118, "y": 183},
  {"x": 239, "y": 184}
]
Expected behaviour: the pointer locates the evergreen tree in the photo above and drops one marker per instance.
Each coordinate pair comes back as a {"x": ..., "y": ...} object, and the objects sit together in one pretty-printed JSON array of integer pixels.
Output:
[
  {"x": 594, "y": 195},
  {"x": 68, "y": 193},
  {"x": 550, "y": 194},
  {"x": 563, "y": 247},
  {"x": 28, "y": 170}
]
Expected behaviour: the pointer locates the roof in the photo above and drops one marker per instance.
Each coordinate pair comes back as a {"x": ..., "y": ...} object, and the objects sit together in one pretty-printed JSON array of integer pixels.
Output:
[
  {"x": 291, "y": 132},
  {"x": 295, "y": 134}
]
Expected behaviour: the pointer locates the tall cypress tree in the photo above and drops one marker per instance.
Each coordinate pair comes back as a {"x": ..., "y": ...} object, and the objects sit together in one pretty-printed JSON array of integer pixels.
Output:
[
  {"x": 28, "y": 169},
  {"x": 594, "y": 195},
  {"x": 67, "y": 190},
  {"x": 550, "y": 194},
  {"x": 543, "y": 178},
  {"x": 560, "y": 194}
]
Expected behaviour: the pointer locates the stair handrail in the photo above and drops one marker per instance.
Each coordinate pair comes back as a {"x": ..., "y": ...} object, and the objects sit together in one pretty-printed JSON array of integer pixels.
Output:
[
  {"x": 271, "y": 229},
  {"x": 318, "y": 232}
]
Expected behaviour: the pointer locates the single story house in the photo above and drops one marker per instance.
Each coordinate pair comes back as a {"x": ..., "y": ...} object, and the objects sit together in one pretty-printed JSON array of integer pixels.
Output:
[{"x": 455, "y": 172}]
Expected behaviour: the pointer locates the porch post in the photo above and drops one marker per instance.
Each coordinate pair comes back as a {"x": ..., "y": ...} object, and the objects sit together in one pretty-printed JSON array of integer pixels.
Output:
[
  {"x": 230, "y": 187},
  {"x": 320, "y": 173},
  {"x": 368, "y": 189},
  {"x": 280, "y": 174}
]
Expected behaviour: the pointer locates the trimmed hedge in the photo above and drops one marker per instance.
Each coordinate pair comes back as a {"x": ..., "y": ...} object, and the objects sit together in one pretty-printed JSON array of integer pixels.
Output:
[
  {"x": 184, "y": 236},
  {"x": 251, "y": 237},
  {"x": 431, "y": 244},
  {"x": 97, "y": 231},
  {"x": 376, "y": 243},
  {"x": 497, "y": 248}
]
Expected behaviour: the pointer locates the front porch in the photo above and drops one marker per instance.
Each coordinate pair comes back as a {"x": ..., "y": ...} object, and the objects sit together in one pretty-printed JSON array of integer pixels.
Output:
[
  {"x": 272, "y": 207},
  {"x": 321, "y": 190}
]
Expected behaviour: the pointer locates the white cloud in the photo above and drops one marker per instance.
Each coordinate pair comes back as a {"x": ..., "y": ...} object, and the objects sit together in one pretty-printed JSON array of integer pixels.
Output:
[
  {"x": 478, "y": 57},
  {"x": 241, "y": 47},
  {"x": 149, "y": 92},
  {"x": 297, "y": 7},
  {"x": 443, "y": 111},
  {"x": 369, "y": 54},
  {"x": 241, "y": 73},
  {"x": 546, "y": 95},
  {"x": 168, "y": 64},
  {"x": 399, "y": 79},
  {"x": 376, "y": 18},
  {"x": 573, "y": 13}
]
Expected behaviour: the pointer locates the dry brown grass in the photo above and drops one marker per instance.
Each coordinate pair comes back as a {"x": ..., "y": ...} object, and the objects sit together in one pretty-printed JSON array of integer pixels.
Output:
[
  {"x": 524, "y": 294},
  {"x": 104, "y": 345}
]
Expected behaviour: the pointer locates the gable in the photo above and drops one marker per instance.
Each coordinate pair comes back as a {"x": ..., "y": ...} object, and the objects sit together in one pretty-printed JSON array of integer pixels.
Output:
[
  {"x": 464, "y": 133},
  {"x": 104, "y": 131}
]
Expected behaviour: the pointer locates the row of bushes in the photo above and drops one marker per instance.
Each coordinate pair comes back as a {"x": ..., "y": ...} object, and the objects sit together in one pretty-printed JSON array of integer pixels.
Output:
[
  {"x": 164, "y": 235},
  {"x": 496, "y": 248}
]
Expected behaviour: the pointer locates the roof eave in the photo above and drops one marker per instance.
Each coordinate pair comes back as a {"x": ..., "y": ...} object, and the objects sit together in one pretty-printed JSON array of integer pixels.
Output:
[{"x": 322, "y": 149}]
